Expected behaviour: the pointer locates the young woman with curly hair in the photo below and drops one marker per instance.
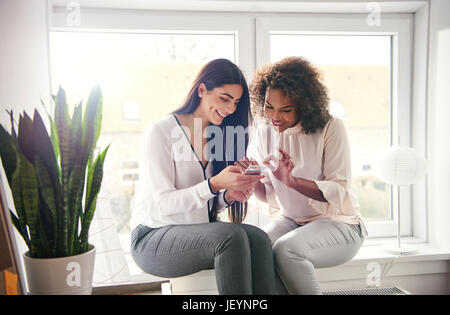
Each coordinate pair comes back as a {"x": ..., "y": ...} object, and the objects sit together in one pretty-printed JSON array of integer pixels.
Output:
[{"x": 306, "y": 152}]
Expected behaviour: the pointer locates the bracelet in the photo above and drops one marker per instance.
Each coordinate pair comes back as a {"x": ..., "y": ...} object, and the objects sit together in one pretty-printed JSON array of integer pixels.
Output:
[{"x": 225, "y": 200}]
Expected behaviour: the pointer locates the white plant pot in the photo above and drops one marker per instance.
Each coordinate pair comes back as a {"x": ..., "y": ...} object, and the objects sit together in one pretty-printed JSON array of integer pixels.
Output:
[{"x": 64, "y": 275}]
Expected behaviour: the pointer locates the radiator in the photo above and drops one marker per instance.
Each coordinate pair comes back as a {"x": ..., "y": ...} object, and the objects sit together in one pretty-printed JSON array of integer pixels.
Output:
[{"x": 370, "y": 291}]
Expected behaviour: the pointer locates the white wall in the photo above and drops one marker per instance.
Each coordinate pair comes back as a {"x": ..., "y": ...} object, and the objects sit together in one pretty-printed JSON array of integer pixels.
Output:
[
  {"x": 24, "y": 71},
  {"x": 438, "y": 121}
]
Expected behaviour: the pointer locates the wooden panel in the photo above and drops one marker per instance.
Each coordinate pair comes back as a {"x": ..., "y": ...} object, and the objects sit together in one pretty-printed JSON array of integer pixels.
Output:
[{"x": 11, "y": 282}]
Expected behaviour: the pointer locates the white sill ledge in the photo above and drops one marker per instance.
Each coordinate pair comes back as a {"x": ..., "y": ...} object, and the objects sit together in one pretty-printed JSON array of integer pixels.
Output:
[
  {"x": 372, "y": 251},
  {"x": 429, "y": 259}
]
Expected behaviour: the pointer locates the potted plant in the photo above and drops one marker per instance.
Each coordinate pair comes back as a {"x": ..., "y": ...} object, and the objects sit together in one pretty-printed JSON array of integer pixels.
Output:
[{"x": 55, "y": 178}]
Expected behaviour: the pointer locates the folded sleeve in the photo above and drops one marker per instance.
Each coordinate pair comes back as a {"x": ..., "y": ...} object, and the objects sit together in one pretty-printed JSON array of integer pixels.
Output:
[
  {"x": 221, "y": 202},
  {"x": 336, "y": 184},
  {"x": 270, "y": 195},
  {"x": 159, "y": 172}
]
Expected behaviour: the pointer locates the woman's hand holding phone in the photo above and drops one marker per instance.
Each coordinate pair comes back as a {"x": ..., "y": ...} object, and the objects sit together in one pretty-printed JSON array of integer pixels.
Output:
[
  {"x": 237, "y": 195},
  {"x": 259, "y": 191},
  {"x": 245, "y": 163},
  {"x": 233, "y": 179}
]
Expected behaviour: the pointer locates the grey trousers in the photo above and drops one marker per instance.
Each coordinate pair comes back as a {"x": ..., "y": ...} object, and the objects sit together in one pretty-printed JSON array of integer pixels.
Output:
[
  {"x": 241, "y": 254},
  {"x": 298, "y": 250}
]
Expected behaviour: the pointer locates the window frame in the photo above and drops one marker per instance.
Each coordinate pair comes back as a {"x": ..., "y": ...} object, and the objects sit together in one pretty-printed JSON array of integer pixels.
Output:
[
  {"x": 154, "y": 22},
  {"x": 151, "y": 22},
  {"x": 251, "y": 29},
  {"x": 252, "y": 33}
]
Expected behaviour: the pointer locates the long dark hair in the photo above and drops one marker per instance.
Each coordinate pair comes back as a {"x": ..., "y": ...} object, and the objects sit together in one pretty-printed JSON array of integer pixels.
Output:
[{"x": 214, "y": 74}]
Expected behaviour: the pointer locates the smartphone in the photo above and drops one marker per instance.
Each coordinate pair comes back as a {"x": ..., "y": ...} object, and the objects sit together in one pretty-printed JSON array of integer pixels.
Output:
[{"x": 253, "y": 170}]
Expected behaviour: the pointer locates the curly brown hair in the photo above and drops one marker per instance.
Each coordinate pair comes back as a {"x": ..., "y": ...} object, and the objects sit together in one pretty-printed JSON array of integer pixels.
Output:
[{"x": 301, "y": 82}]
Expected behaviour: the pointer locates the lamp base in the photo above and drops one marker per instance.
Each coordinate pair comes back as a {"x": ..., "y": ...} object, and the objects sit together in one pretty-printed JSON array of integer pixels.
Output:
[{"x": 403, "y": 250}]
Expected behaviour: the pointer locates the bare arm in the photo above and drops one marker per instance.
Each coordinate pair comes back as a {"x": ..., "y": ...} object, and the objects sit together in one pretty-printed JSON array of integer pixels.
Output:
[
  {"x": 260, "y": 192},
  {"x": 306, "y": 187}
]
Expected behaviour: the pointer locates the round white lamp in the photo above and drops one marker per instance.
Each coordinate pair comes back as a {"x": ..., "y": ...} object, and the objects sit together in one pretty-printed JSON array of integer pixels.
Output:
[{"x": 399, "y": 166}]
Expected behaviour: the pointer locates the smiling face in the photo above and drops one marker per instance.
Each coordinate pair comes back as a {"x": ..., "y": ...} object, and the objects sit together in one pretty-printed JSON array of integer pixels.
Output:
[
  {"x": 219, "y": 102},
  {"x": 281, "y": 111}
]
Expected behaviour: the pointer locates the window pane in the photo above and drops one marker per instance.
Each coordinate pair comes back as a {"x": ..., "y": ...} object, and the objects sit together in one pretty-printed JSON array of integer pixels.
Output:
[
  {"x": 143, "y": 77},
  {"x": 356, "y": 70}
]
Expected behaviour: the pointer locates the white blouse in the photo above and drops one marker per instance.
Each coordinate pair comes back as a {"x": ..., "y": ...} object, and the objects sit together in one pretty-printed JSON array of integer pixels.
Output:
[
  {"x": 323, "y": 157},
  {"x": 173, "y": 185}
]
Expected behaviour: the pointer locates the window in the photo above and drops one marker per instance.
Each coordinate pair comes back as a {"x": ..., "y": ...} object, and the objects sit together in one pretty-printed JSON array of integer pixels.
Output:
[
  {"x": 130, "y": 172},
  {"x": 147, "y": 59},
  {"x": 357, "y": 74},
  {"x": 367, "y": 70},
  {"x": 154, "y": 69},
  {"x": 130, "y": 111}
]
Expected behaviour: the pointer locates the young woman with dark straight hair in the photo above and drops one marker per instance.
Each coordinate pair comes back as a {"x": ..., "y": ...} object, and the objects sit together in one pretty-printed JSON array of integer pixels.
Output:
[{"x": 187, "y": 176}]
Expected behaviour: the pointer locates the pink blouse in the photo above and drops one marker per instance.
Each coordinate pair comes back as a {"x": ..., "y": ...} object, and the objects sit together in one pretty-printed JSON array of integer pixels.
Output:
[{"x": 323, "y": 157}]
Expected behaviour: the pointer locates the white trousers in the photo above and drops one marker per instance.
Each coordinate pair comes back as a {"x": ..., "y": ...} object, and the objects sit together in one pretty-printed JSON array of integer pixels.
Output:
[{"x": 299, "y": 249}]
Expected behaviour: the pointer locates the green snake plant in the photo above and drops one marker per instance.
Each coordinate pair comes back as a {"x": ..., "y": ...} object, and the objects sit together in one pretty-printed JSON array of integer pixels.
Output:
[{"x": 55, "y": 175}]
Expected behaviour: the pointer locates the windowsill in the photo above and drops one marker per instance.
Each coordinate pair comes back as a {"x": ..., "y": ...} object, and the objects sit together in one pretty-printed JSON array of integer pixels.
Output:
[
  {"x": 428, "y": 259},
  {"x": 372, "y": 251}
]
